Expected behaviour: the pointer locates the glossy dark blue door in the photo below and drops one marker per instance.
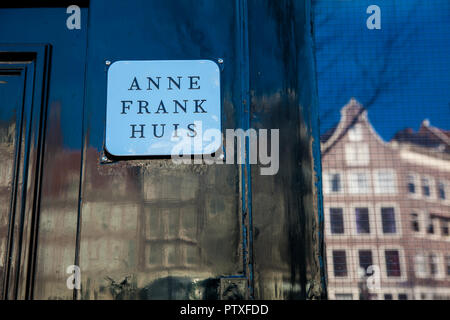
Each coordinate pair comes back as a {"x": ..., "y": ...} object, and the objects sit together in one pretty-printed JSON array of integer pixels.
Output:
[{"x": 148, "y": 228}]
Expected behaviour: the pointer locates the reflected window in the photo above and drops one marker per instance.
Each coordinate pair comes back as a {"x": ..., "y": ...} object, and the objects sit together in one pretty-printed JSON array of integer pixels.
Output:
[
  {"x": 365, "y": 260},
  {"x": 171, "y": 254},
  {"x": 385, "y": 182},
  {"x": 388, "y": 220},
  {"x": 420, "y": 265},
  {"x": 402, "y": 296},
  {"x": 415, "y": 226},
  {"x": 430, "y": 225},
  {"x": 372, "y": 296},
  {"x": 191, "y": 255},
  {"x": 359, "y": 182},
  {"x": 433, "y": 263},
  {"x": 392, "y": 263},
  {"x": 355, "y": 133},
  {"x": 444, "y": 228},
  {"x": 362, "y": 220},
  {"x": 155, "y": 256},
  {"x": 447, "y": 265},
  {"x": 335, "y": 182},
  {"x": 154, "y": 227},
  {"x": 343, "y": 296},
  {"x": 426, "y": 187},
  {"x": 340, "y": 263},
  {"x": 174, "y": 223},
  {"x": 357, "y": 154},
  {"x": 189, "y": 222},
  {"x": 441, "y": 191},
  {"x": 363, "y": 182},
  {"x": 336, "y": 221},
  {"x": 411, "y": 184}
]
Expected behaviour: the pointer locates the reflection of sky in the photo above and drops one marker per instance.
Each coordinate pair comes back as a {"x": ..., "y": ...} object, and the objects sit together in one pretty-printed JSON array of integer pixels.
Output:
[{"x": 350, "y": 61}]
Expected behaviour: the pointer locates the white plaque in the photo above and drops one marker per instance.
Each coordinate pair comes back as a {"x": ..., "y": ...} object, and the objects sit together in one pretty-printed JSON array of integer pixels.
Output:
[{"x": 153, "y": 106}]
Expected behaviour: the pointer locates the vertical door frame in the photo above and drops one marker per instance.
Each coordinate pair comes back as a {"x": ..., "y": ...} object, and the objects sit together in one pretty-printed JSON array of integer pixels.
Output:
[{"x": 34, "y": 61}]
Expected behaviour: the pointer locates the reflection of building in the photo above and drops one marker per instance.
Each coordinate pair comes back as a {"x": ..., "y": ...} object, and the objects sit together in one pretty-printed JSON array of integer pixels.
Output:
[
  {"x": 7, "y": 143},
  {"x": 386, "y": 205},
  {"x": 138, "y": 238},
  {"x": 128, "y": 243},
  {"x": 148, "y": 229}
]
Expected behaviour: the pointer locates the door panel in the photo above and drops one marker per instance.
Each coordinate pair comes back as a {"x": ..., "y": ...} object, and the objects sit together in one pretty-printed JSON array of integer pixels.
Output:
[
  {"x": 22, "y": 87},
  {"x": 11, "y": 97},
  {"x": 58, "y": 158},
  {"x": 160, "y": 229}
]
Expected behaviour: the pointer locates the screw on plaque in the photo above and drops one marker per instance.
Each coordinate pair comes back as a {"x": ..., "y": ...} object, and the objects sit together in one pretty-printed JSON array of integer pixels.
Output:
[
  {"x": 105, "y": 159},
  {"x": 220, "y": 62},
  {"x": 107, "y": 64}
]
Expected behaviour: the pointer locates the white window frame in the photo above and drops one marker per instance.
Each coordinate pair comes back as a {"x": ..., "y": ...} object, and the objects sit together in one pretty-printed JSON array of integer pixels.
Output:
[
  {"x": 421, "y": 221},
  {"x": 355, "y": 133},
  {"x": 372, "y": 221},
  {"x": 354, "y": 151},
  {"x": 327, "y": 186},
  {"x": 349, "y": 260},
  {"x": 378, "y": 189},
  {"x": 446, "y": 184},
  {"x": 417, "y": 185},
  {"x": 432, "y": 186},
  {"x": 382, "y": 257},
  {"x": 350, "y": 183},
  {"x": 379, "y": 223},
  {"x": 439, "y": 264},
  {"x": 443, "y": 223},
  {"x": 436, "y": 227},
  {"x": 375, "y": 258},
  {"x": 421, "y": 274},
  {"x": 347, "y": 225}
]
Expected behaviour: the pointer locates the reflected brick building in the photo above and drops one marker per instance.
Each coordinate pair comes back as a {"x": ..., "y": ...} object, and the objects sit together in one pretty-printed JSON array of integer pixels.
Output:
[{"x": 387, "y": 210}]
